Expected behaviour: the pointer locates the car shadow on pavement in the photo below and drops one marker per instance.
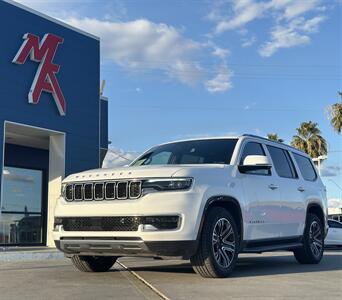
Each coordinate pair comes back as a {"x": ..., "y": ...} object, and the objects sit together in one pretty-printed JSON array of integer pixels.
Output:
[{"x": 258, "y": 265}]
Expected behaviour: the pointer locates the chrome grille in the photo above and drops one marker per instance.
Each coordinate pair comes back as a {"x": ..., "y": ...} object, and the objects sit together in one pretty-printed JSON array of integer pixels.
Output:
[{"x": 111, "y": 190}]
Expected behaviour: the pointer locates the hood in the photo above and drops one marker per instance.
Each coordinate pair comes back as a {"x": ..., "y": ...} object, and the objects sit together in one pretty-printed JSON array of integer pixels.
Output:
[{"x": 138, "y": 172}]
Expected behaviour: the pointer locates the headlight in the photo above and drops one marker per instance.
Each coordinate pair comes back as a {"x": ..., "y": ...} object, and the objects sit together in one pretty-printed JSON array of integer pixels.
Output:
[
  {"x": 176, "y": 184},
  {"x": 63, "y": 190}
]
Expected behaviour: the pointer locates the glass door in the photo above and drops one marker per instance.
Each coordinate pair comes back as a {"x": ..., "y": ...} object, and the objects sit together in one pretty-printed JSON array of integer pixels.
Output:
[{"x": 22, "y": 217}]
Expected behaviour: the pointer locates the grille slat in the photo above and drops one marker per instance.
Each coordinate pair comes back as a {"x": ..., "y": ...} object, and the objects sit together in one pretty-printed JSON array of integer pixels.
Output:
[
  {"x": 88, "y": 191},
  {"x": 122, "y": 190},
  {"x": 98, "y": 191},
  {"x": 78, "y": 192},
  {"x": 111, "y": 190},
  {"x": 135, "y": 189}
]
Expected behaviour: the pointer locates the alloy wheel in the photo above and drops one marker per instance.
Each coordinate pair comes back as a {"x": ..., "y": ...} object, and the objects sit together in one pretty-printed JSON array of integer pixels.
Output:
[
  {"x": 223, "y": 243},
  {"x": 316, "y": 239}
]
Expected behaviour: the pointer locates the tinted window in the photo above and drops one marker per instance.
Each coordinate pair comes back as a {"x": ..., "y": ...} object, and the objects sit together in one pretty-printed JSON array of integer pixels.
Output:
[
  {"x": 282, "y": 162},
  {"x": 161, "y": 158},
  {"x": 305, "y": 167},
  {"x": 252, "y": 148},
  {"x": 215, "y": 151}
]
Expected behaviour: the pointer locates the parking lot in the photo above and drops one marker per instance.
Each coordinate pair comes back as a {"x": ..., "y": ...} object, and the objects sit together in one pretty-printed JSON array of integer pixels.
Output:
[{"x": 267, "y": 276}]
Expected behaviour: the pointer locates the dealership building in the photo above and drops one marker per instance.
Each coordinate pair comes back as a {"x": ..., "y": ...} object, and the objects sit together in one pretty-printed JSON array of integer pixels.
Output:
[{"x": 53, "y": 121}]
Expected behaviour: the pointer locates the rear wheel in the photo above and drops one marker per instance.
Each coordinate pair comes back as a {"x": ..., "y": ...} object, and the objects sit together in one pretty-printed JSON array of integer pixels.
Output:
[
  {"x": 218, "y": 247},
  {"x": 93, "y": 263},
  {"x": 313, "y": 242}
]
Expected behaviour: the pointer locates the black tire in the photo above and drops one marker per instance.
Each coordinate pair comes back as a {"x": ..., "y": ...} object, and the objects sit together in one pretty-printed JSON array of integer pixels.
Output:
[
  {"x": 208, "y": 261},
  {"x": 313, "y": 242},
  {"x": 93, "y": 263}
]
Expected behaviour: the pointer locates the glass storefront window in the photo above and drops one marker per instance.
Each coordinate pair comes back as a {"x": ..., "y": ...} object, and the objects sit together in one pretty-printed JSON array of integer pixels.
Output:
[
  {"x": 21, "y": 219},
  {"x": 20, "y": 229}
]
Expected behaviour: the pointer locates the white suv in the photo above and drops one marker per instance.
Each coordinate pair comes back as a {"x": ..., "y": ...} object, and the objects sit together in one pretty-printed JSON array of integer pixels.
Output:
[{"x": 206, "y": 200}]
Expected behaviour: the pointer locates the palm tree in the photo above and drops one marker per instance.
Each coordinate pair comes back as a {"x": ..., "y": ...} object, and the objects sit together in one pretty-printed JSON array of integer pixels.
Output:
[
  {"x": 309, "y": 140},
  {"x": 274, "y": 137},
  {"x": 335, "y": 116}
]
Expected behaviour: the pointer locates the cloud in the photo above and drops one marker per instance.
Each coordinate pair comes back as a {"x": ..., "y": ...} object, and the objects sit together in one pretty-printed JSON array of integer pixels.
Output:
[
  {"x": 294, "y": 8},
  {"x": 330, "y": 171},
  {"x": 290, "y": 26},
  {"x": 118, "y": 158},
  {"x": 220, "y": 52},
  {"x": 335, "y": 203},
  {"x": 293, "y": 34},
  {"x": 142, "y": 45},
  {"x": 244, "y": 11},
  {"x": 222, "y": 80},
  {"x": 247, "y": 42}
]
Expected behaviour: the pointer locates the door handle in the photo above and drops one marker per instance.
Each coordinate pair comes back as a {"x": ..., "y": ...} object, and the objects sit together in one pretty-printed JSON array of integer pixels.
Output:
[
  {"x": 273, "y": 186},
  {"x": 301, "y": 189}
]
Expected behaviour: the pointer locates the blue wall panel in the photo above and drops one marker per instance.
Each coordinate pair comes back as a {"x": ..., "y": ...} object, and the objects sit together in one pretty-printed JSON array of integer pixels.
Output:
[
  {"x": 26, "y": 157},
  {"x": 78, "y": 77},
  {"x": 104, "y": 124}
]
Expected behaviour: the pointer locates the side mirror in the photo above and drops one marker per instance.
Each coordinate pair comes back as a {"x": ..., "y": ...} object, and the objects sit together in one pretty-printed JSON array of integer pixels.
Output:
[{"x": 255, "y": 162}]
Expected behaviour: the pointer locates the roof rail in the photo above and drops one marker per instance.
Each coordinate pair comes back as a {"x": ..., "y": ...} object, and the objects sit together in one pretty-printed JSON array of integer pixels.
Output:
[{"x": 266, "y": 139}]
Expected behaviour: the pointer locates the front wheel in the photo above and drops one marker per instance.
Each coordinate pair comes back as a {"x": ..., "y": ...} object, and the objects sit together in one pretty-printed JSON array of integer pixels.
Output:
[
  {"x": 313, "y": 242},
  {"x": 217, "y": 252},
  {"x": 93, "y": 263}
]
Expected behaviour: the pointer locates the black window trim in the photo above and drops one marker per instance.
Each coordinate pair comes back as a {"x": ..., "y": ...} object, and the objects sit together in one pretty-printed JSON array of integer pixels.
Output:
[
  {"x": 312, "y": 164},
  {"x": 292, "y": 164},
  {"x": 243, "y": 146}
]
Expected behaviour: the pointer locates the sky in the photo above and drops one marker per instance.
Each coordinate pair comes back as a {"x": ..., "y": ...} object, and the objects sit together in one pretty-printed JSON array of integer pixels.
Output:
[{"x": 179, "y": 69}]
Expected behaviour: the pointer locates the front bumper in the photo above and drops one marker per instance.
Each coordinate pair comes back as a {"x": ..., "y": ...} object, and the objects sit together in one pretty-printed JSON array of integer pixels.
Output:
[
  {"x": 186, "y": 205},
  {"x": 126, "y": 247}
]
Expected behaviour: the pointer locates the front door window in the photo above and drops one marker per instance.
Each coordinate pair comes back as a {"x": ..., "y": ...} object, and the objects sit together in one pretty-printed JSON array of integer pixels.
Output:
[{"x": 21, "y": 218}]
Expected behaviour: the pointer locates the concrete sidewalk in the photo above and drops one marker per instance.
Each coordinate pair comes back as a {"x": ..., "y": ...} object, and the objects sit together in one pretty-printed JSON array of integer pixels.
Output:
[{"x": 21, "y": 254}]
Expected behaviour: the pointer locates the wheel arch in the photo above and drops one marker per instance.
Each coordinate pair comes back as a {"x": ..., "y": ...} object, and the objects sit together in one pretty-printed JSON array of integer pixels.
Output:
[
  {"x": 229, "y": 203},
  {"x": 317, "y": 209}
]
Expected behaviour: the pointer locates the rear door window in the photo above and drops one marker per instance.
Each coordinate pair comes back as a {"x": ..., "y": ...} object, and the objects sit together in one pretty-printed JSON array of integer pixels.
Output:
[
  {"x": 282, "y": 162},
  {"x": 306, "y": 167}
]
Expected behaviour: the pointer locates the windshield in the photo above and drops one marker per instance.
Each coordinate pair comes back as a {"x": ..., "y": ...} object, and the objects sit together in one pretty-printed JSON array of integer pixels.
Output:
[{"x": 215, "y": 151}]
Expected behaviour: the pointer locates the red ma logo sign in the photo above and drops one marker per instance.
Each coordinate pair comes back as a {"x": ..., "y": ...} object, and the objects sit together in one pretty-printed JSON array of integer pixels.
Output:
[{"x": 45, "y": 80}]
